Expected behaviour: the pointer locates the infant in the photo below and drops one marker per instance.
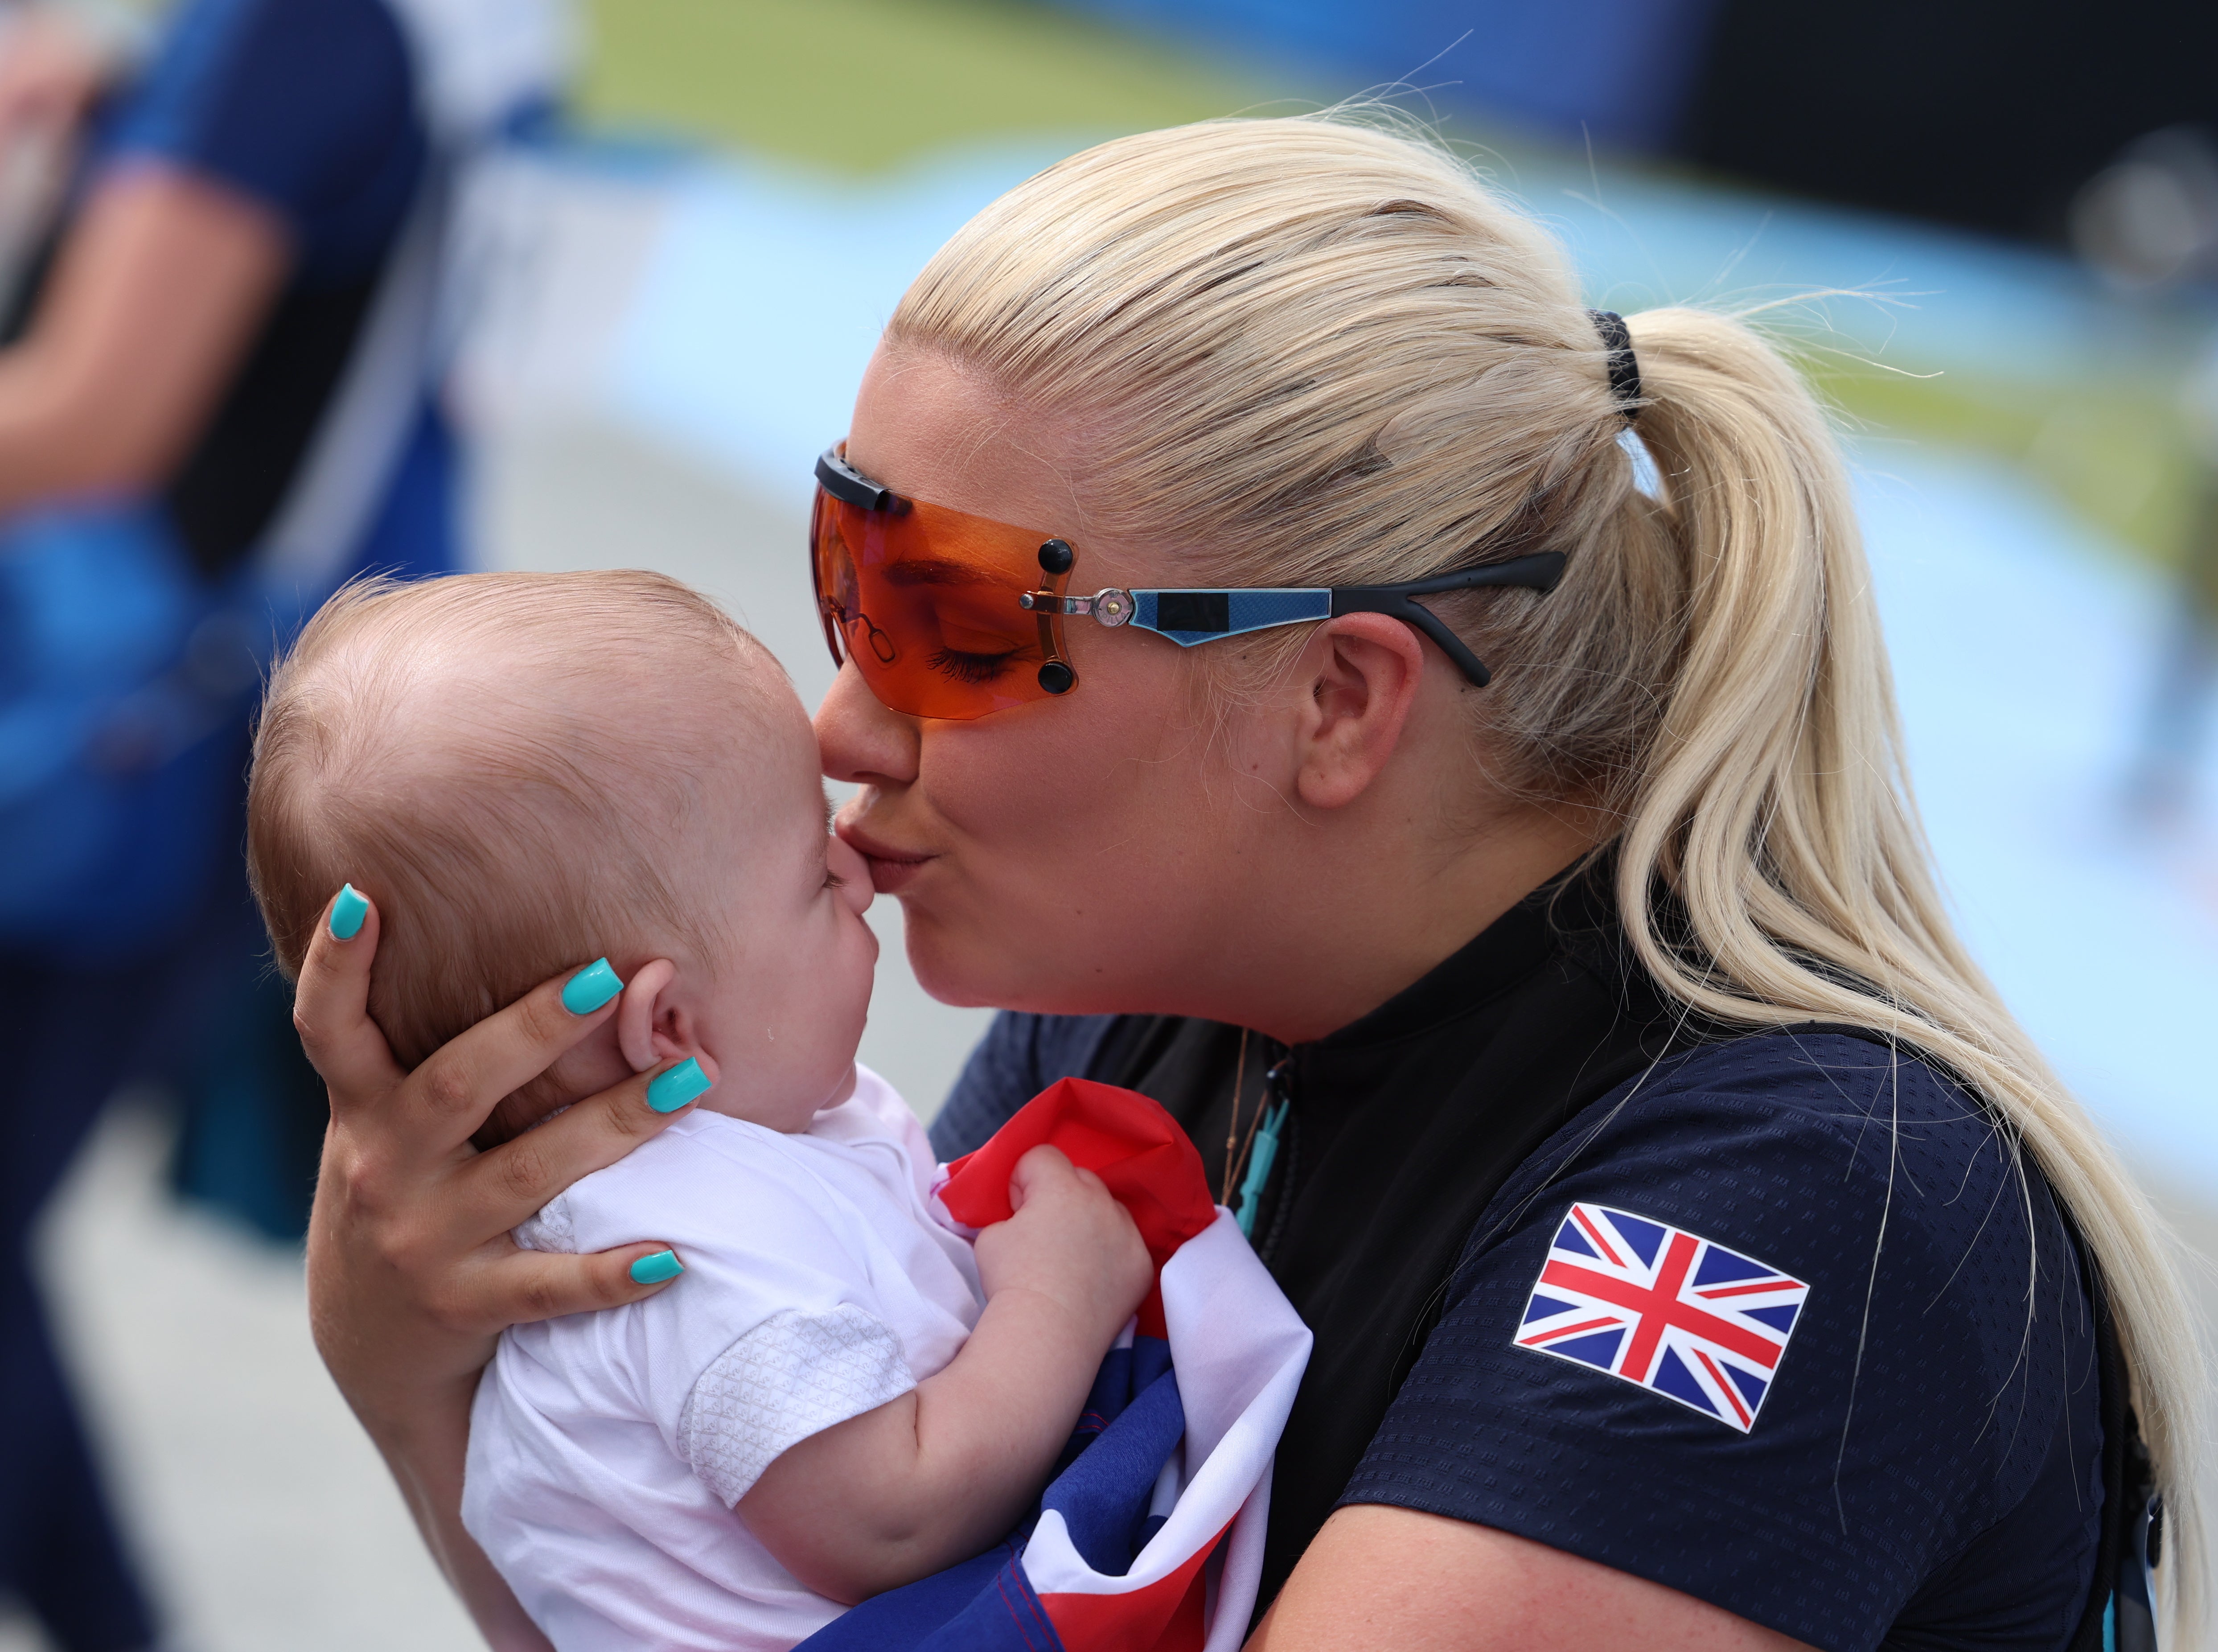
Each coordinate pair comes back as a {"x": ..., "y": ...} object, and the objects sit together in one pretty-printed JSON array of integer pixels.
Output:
[{"x": 842, "y": 1394}]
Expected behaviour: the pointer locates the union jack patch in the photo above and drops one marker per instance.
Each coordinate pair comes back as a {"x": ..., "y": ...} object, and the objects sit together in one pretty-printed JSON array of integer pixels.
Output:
[{"x": 1663, "y": 1308}]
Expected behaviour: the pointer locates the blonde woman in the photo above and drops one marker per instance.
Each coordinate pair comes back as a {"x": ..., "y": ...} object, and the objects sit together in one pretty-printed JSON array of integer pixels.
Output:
[{"x": 1266, "y": 680}]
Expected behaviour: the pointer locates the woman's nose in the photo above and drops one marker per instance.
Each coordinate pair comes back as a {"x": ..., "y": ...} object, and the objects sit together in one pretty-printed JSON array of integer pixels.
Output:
[{"x": 859, "y": 740}]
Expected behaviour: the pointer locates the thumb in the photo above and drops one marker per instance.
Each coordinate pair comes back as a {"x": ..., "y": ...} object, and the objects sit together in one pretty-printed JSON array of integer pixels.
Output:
[{"x": 1043, "y": 1172}]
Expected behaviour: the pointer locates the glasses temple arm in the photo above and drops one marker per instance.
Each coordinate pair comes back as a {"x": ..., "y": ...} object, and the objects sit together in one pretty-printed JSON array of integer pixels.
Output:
[
  {"x": 1394, "y": 606},
  {"x": 1540, "y": 571}
]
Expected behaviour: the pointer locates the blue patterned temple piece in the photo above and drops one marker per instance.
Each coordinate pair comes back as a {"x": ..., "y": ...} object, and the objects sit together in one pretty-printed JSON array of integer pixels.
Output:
[{"x": 1188, "y": 617}]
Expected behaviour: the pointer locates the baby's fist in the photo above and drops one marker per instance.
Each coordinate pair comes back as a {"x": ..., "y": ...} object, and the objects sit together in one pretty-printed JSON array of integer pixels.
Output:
[{"x": 1069, "y": 1240}]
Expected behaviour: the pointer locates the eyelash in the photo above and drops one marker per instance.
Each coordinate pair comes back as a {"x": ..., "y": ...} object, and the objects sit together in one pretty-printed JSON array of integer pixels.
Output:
[{"x": 969, "y": 668}]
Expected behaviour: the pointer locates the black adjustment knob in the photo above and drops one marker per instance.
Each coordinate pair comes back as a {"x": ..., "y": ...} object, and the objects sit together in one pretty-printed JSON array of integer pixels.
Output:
[
  {"x": 1056, "y": 676},
  {"x": 1057, "y": 556}
]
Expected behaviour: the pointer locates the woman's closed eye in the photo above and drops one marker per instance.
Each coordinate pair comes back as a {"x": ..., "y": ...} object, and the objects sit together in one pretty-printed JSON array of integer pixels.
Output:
[{"x": 968, "y": 667}]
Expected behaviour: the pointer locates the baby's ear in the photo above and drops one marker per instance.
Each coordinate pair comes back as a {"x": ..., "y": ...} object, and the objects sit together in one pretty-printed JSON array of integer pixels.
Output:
[{"x": 642, "y": 1007}]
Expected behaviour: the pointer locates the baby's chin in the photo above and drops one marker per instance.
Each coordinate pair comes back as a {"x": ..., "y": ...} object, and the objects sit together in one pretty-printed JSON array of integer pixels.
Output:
[
  {"x": 790, "y": 1114},
  {"x": 840, "y": 1092}
]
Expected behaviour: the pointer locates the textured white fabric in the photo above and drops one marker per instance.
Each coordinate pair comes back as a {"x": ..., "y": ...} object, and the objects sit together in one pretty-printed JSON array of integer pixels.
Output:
[
  {"x": 793, "y": 1375},
  {"x": 821, "y": 1280}
]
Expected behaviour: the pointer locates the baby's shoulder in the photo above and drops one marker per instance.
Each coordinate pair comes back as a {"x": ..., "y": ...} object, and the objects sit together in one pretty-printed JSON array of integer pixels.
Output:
[{"x": 703, "y": 1179}]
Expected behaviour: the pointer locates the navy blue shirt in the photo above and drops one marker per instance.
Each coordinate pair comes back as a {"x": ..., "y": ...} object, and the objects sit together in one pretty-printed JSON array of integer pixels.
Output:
[
  {"x": 310, "y": 109},
  {"x": 1923, "y": 1468},
  {"x": 1919, "y": 1467}
]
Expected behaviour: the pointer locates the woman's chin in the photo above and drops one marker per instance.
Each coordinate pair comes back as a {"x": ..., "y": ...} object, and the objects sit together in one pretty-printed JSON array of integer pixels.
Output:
[{"x": 966, "y": 975}]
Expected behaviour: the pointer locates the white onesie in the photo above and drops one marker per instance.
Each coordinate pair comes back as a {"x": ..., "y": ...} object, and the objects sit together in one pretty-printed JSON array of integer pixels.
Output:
[{"x": 607, "y": 1448}]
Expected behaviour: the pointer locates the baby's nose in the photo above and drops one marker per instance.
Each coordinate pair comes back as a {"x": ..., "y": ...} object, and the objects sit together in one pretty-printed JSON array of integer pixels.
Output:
[{"x": 853, "y": 872}]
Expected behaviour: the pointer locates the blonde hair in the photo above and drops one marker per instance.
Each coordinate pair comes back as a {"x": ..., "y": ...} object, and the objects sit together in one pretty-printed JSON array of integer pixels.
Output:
[
  {"x": 1319, "y": 353},
  {"x": 470, "y": 753}
]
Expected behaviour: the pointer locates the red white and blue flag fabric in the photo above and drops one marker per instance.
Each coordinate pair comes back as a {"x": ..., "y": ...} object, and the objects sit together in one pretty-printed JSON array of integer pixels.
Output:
[
  {"x": 1664, "y": 1308},
  {"x": 1149, "y": 1538}
]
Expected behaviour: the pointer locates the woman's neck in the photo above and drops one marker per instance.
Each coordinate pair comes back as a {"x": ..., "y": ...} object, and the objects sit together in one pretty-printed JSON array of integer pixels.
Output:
[{"x": 1371, "y": 918}]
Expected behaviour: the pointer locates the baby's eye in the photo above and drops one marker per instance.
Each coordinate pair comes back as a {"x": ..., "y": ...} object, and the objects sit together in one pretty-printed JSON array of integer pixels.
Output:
[{"x": 969, "y": 667}]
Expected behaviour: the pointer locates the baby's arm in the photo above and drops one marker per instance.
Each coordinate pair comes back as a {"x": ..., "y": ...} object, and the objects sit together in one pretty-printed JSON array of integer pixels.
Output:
[{"x": 933, "y": 1477}]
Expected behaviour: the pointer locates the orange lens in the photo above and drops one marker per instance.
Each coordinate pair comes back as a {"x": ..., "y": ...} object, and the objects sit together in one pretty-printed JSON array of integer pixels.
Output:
[{"x": 924, "y": 601}]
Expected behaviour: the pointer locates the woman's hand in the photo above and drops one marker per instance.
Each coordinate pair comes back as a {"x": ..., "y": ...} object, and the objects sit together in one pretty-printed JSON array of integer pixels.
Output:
[{"x": 412, "y": 1272}]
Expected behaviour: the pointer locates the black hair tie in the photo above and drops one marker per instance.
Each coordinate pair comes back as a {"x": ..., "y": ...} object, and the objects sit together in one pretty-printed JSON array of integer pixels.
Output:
[{"x": 1624, "y": 370}]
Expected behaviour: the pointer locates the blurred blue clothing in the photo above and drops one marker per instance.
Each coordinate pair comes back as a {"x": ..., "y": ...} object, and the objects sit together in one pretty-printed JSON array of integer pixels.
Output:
[
  {"x": 309, "y": 106},
  {"x": 313, "y": 108},
  {"x": 131, "y": 632},
  {"x": 1616, "y": 72},
  {"x": 134, "y": 631},
  {"x": 1019, "y": 1055},
  {"x": 72, "y": 1038}
]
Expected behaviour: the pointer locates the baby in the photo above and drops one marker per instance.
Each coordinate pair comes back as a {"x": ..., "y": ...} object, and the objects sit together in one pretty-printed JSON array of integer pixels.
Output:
[{"x": 842, "y": 1394}]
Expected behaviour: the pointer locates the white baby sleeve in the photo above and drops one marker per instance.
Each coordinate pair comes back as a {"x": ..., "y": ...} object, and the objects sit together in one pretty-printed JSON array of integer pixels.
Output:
[
  {"x": 794, "y": 1375},
  {"x": 553, "y": 1229}
]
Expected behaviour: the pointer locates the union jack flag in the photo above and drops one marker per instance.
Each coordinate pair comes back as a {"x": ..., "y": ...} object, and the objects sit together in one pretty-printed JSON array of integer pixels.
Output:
[
  {"x": 1151, "y": 1538},
  {"x": 1664, "y": 1308}
]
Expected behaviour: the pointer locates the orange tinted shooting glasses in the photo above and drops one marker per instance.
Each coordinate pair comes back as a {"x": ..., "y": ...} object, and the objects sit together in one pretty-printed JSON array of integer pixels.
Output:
[
  {"x": 926, "y": 600},
  {"x": 956, "y": 616}
]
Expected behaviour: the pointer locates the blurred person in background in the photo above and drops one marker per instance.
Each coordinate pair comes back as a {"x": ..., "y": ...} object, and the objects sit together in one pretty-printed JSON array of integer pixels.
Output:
[
  {"x": 2161, "y": 790},
  {"x": 2148, "y": 226},
  {"x": 215, "y": 404}
]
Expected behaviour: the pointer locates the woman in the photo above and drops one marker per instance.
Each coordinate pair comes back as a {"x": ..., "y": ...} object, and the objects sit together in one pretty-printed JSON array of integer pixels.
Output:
[{"x": 1553, "y": 973}]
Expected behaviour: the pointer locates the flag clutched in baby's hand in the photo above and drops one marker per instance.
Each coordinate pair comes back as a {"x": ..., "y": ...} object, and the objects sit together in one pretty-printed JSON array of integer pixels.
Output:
[{"x": 1149, "y": 1538}]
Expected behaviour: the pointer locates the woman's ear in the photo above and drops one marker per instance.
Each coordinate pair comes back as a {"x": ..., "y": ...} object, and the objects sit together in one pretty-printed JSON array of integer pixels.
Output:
[
  {"x": 1362, "y": 672},
  {"x": 641, "y": 1014}
]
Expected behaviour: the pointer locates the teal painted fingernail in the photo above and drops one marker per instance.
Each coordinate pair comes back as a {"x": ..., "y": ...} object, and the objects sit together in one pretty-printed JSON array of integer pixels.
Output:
[
  {"x": 673, "y": 1089},
  {"x": 654, "y": 1270},
  {"x": 591, "y": 987},
  {"x": 347, "y": 912}
]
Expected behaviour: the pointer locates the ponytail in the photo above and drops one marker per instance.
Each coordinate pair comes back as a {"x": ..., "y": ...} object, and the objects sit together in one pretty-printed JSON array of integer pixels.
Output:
[{"x": 1776, "y": 812}]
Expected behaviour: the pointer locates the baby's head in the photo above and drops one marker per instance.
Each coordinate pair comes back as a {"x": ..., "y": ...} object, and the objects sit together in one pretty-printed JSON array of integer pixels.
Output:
[{"x": 526, "y": 771}]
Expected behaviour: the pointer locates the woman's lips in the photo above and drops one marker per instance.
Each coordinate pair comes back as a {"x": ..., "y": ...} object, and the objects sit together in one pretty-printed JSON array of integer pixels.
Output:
[{"x": 891, "y": 869}]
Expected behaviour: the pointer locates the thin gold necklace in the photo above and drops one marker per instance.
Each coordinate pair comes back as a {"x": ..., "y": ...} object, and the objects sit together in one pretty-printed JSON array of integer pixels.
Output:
[{"x": 1232, "y": 1128}]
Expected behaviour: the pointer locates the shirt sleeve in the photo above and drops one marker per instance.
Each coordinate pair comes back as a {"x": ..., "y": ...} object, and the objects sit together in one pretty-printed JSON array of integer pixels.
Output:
[
  {"x": 1763, "y": 1334},
  {"x": 1019, "y": 1056},
  {"x": 307, "y": 106},
  {"x": 794, "y": 1313},
  {"x": 794, "y": 1375}
]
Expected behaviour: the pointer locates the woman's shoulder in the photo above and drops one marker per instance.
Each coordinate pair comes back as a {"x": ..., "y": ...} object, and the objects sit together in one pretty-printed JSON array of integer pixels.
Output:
[
  {"x": 1749, "y": 1322},
  {"x": 1775, "y": 1116},
  {"x": 1020, "y": 1054},
  {"x": 1820, "y": 1151}
]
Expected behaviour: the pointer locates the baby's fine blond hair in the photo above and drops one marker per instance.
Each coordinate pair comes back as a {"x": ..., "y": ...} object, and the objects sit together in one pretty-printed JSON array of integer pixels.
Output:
[{"x": 513, "y": 767}]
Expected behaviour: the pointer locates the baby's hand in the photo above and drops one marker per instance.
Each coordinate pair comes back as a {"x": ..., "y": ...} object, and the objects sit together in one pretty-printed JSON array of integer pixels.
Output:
[
  {"x": 897, "y": 1494},
  {"x": 1069, "y": 1241}
]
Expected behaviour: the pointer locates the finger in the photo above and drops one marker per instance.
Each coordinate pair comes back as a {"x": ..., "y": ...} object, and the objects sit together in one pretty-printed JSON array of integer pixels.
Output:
[
  {"x": 446, "y": 1099},
  {"x": 1043, "y": 1171},
  {"x": 330, "y": 1006},
  {"x": 525, "y": 1286},
  {"x": 503, "y": 1186}
]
